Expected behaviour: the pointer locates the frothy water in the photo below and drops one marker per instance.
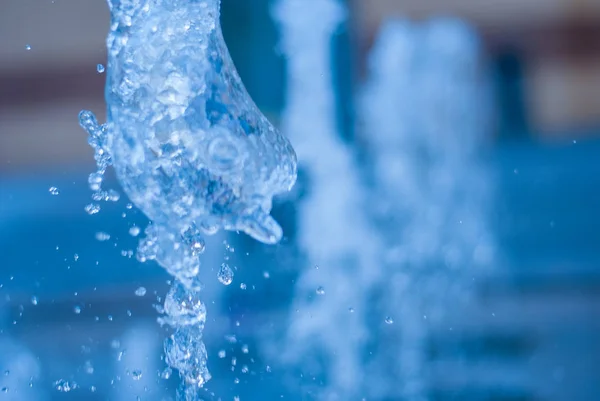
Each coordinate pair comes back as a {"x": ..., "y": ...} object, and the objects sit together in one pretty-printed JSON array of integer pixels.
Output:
[{"x": 190, "y": 149}]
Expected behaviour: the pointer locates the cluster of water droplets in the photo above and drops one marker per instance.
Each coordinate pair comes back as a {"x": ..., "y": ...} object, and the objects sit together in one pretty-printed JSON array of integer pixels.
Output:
[
  {"x": 98, "y": 137},
  {"x": 190, "y": 149}
]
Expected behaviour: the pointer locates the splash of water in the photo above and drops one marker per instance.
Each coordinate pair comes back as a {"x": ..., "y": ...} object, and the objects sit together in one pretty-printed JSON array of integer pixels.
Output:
[{"x": 190, "y": 149}]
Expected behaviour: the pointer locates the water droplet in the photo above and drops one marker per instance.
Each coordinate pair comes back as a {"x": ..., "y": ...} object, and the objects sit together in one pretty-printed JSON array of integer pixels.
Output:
[
  {"x": 100, "y": 68},
  {"x": 64, "y": 386},
  {"x": 34, "y": 300},
  {"x": 140, "y": 292},
  {"x": 225, "y": 274},
  {"x": 134, "y": 231},
  {"x": 27, "y": 47},
  {"x": 197, "y": 246},
  {"x": 102, "y": 236},
  {"x": 88, "y": 367},
  {"x": 53, "y": 191},
  {"x": 136, "y": 374},
  {"x": 389, "y": 320},
  {"x": 166, "y": 374},
  {"x": 92, "y": 208},
  {"x": 321, "y": 291}
]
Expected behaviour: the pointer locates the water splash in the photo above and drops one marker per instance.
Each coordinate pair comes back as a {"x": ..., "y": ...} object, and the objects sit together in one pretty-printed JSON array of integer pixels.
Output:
[{"x": 190, "y": 149}]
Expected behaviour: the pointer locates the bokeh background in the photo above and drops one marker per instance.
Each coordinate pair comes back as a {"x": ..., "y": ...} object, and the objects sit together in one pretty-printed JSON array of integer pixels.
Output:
[{"x": 69, "y": 313}]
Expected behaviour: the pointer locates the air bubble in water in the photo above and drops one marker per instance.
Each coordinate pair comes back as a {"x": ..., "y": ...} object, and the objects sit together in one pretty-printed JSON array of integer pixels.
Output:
[
  {"x": 389, "y": 320},
  {"x": 321, "y": 291},
  {"x": 27, "y": 47},
  {"x": 53, "y": 191},
  {"x": 137, "y": 374},
  {"x": 225, "y": 274},
  {"x": 100, "y": 68},
  {"x": 140, "y": 292},
  {"x": 34, "y": 300},
  {"x": 134, "y": 231}
]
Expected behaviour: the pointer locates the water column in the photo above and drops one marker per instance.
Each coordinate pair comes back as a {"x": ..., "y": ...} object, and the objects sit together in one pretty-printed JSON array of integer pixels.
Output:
[
  {"x": 388, "y": 118},
  {"x": 190, "y": 149},
  {"x": 425, "y": 116},
  {"x": 327, "y": 332}
]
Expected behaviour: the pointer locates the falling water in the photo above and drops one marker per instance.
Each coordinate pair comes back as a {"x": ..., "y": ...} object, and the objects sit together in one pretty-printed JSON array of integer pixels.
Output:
[{"x": 190, "y": 149}]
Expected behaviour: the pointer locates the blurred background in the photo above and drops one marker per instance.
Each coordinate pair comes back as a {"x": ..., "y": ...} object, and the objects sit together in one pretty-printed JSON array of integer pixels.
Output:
[{"x": 72, "y": 326}]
